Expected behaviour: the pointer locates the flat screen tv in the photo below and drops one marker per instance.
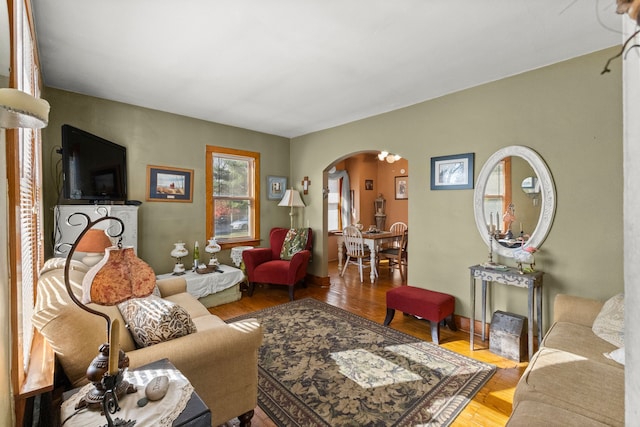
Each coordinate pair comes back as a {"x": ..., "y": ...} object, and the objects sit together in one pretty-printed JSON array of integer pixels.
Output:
[{"x": 94, "y": 169}]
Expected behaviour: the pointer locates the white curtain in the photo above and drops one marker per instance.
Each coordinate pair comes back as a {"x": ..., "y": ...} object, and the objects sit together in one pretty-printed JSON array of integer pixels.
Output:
[{"x": 345, "y": 195}]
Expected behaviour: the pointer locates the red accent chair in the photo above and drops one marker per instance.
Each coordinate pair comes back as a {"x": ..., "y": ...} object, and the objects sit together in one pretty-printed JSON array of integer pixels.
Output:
[{"x": 263, "y": 265}]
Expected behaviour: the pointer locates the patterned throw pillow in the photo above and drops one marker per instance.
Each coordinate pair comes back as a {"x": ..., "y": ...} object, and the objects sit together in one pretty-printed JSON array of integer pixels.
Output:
[
  {"x": 294, "y": 242},
  {"x": 609, "y": 324},
  {"x": 152, "y": 320}
]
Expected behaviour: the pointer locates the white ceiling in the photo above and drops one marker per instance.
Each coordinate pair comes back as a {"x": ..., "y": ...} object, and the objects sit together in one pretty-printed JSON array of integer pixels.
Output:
[{"x": 291, "y": 67}]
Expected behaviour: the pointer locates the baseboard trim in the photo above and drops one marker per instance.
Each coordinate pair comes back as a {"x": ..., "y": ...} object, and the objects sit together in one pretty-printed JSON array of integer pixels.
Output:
[{"x": 317, "y": 280}]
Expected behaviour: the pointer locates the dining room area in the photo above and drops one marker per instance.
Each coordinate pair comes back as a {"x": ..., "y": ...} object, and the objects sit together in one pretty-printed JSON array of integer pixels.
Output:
[{"x": 367, "y": 215}]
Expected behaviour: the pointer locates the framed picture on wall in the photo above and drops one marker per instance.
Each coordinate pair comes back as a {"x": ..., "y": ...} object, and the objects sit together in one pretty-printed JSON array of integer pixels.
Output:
[
  {"x": 368, "y": 184},
  {"x": 276, "y": 186},
  {"x": 402, "y": 187},
  {"x": 452, "y": 172},
  {"x": 167, "y": 184}
]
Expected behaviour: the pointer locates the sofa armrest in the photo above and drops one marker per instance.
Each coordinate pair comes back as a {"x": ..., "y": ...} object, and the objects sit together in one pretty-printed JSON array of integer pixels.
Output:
[
  {"x": 204, "y": 351},
  {"x": 253, "y": 258},
  {"x": 574, "y": 309},
  {"x": 221, "y": 363},
  {"x": 299, "y": 261},
  {"x": 172, "y": 286}
]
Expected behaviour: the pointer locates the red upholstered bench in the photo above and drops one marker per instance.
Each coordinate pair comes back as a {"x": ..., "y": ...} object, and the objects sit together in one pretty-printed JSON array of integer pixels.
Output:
[{"x": 431, "y": 305}]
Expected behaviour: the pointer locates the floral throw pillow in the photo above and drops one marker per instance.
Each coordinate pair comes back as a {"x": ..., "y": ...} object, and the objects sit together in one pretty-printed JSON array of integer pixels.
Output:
[
  {"x": 609, "y": 324},
  {"x": 294, "y": 242},
  {"x": 152, "y": 320}
]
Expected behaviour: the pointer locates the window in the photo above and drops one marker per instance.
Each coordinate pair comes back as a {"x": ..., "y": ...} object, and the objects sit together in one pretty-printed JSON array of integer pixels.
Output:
[
  {"x": 233, "y": 196},
  {"x": 339, "y": 204},
  {"x": 333, "y": 205},
  {"x": 25, "y": 197},
  {"x": 497, "y": 192}
]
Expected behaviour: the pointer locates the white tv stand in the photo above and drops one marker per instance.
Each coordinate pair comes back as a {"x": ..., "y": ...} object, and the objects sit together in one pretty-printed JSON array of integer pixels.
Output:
[{"x": 65, "y": 234}]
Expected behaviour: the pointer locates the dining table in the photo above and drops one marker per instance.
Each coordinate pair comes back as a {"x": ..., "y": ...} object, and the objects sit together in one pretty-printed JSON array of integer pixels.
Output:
[{"x": 373, "y": 240}]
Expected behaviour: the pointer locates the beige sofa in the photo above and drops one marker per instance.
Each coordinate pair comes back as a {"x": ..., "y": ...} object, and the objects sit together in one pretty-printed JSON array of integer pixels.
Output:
[
  {"x": 569, "y": 381},
  {"x": 220, "y": 360}
]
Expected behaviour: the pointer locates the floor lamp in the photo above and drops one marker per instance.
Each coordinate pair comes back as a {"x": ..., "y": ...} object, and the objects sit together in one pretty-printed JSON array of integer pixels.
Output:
[
  {"x": 291, "y": 199},
  {"x": 118, "y": 277}
]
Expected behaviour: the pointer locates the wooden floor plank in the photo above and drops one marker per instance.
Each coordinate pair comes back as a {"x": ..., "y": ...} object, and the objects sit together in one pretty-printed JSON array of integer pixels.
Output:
[{"x": 489, "y": 408}]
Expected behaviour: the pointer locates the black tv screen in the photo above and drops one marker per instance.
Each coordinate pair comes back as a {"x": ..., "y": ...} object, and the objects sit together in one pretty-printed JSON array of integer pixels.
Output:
[{"x": 93, "y": 168}]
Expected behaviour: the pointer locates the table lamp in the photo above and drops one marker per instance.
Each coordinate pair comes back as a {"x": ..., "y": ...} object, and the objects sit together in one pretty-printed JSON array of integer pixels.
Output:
[
  {"x": 292, "y": 199},
  {"x": 212, "y": 248},
  {"x": 118, "y": 277},
  {"x": 178, "y": 252},
  {"x": 93, "y": 244}
]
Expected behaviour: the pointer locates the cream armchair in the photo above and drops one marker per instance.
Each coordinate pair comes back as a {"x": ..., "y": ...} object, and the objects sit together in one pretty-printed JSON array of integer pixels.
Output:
[{"x": 220, "y": 360}]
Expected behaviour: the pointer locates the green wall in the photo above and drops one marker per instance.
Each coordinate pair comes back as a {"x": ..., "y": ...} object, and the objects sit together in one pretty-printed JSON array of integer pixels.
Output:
[
  {"x": 158, "y": 138},
  {"x": 567, "y": 112}
]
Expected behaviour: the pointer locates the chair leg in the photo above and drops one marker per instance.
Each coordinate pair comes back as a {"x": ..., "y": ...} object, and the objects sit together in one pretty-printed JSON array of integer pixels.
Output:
[
  {"x": 345, "y": 266},
  {"x": 435, "y": 331},
  {"x": 245, "y": 419},
  {"x": 390, "y": 313},
  {"x": 252, "y": 287},
  {"x": 450, "y": 322},
  {"x": 291, "y": 290},
  {"x": 360, "y": 268}
]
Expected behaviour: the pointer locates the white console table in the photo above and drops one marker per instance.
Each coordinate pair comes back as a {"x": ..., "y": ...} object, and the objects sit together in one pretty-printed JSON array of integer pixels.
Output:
[{"x": 511, "y": 277}]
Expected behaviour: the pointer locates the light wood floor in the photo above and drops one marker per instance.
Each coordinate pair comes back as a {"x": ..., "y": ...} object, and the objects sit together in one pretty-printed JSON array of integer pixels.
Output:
[{"x": 490, "y": 407}]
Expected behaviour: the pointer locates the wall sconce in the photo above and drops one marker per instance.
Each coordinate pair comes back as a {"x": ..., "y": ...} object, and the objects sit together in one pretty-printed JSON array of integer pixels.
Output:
[
  {"x": 390, "y": 158},
  {"x": 531, "y": 187}
]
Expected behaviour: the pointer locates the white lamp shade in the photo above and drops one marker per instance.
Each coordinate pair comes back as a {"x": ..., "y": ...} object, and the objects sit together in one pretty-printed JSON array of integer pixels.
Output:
[
  {"x": 18, "y": 109},
  {"x": 292, "y": 198}
]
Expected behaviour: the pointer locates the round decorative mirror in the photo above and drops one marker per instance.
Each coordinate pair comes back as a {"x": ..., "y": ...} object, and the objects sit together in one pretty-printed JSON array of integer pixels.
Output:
[{"x": 514, "y": 200}]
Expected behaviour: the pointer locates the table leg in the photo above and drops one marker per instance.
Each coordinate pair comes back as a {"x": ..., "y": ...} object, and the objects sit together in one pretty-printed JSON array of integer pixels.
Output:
[
  {"x": 372, "y": 252},
  {"x": 484, "y": 309},
  {"x": 530, "y": 320},
  {"x": 472, "y": 320},
  {"x": 539, "y": 312},
  {"x": 340, "y": 254}
]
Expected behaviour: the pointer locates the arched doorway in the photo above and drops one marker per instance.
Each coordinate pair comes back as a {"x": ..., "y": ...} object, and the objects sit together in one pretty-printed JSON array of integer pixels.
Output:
[{"x": 369, "y": 178}]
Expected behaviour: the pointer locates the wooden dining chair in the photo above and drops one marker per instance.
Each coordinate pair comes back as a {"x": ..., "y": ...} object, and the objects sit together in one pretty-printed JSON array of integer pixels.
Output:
[
  {"x": 357, "y": 253},
  {"x": 396, "y": 228},
  {"x": 396, "y": 255}
]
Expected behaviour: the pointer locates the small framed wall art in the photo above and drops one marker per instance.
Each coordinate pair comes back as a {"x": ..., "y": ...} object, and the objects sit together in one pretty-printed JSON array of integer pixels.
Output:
[
  {"x": 368, "y": 184},
  {"x": 452, "y": 172},
  {"x": 402, "y": 187},
  {"x": 167, "y": 184},
  {"x": 276, "y": 186}
]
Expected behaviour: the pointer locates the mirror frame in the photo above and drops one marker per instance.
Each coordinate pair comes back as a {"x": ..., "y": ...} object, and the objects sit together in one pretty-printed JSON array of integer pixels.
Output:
[{"x": 548, "y": 199}]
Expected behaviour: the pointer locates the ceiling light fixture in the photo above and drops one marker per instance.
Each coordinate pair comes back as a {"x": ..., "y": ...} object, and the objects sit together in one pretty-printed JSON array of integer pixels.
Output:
[{"x": 390, "y": 158}]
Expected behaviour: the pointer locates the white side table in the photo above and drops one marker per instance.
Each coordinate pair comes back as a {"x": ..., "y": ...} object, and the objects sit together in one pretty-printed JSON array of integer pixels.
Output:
[
  {"x": 201, "y": 285},
  {"x": 236, "y": 254}
]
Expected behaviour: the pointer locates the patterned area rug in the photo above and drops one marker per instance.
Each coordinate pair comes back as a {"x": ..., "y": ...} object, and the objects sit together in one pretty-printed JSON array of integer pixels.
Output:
[{"x": 322, "y": 366}]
